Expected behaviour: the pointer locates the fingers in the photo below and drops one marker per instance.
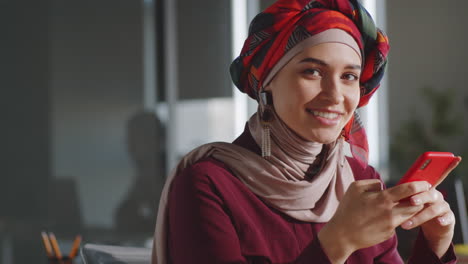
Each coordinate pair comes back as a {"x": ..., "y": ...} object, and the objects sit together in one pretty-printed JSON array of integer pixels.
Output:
[
  {"x": 439, "y": 212},
  {"x": 446, "y": 219},
  {"x": 405, "y": 190},
  {"x": 436, "y": 209},
  {"x": 404, "y": 211},
  {"x": 428, "y": 197}
]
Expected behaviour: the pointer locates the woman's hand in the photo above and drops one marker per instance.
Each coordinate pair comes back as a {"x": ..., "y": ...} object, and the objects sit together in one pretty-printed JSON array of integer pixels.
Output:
[
  {"x": 367, "y": 216},
  {"x": 436, "y": 219}
]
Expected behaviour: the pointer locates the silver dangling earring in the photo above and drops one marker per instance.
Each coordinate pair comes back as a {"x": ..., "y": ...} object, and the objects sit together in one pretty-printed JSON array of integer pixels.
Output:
[{"x": 266, "y": 116}]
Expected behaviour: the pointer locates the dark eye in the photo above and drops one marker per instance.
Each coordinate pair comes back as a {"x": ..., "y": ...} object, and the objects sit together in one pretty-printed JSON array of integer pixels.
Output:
[
  {"x": 312, "y": 72},
  {"x": 350, "y": 77}
]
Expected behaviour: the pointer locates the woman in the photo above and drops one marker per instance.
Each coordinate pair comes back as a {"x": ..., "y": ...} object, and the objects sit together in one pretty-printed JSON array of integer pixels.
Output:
[{"x": 284, "y": 192}]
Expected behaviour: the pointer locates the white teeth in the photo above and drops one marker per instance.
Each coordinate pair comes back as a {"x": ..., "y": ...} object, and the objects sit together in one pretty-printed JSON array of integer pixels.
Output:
[{"x": 326, "y": 115}]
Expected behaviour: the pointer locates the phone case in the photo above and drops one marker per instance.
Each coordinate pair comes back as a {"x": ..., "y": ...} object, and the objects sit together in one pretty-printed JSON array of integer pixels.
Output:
[{"x": 430, "y": 167}]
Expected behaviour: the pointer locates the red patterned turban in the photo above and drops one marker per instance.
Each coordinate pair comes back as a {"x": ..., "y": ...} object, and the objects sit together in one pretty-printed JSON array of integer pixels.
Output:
[{"x": 284, "y": 24}]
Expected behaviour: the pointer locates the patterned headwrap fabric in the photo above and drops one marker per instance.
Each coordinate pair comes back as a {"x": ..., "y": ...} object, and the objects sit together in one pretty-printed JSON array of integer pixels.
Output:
[{"x": 284, "y": 24}]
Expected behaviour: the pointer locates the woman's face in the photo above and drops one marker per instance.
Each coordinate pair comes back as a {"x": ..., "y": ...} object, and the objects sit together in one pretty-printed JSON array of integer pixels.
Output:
[{"x": 316, "y": 92}]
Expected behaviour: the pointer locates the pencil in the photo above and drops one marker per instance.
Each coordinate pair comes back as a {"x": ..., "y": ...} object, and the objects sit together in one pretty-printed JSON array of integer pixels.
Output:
[
  {"x": 55, "y": 245},
  {"x": 75, "y": 247},
  {"x": 46, "y": 241}
]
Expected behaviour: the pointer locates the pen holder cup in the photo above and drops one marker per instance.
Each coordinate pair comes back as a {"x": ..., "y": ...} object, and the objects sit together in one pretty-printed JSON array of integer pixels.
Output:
[{"x": 63, "y": 260}]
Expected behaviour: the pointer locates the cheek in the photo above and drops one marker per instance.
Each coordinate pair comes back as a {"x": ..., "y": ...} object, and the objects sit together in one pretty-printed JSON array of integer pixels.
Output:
[
  {"x": 298, "y": 99},
  {"x": 285, "y": 105},
  {"x": 290, "y": 97},
  {"x": 351, "y": 103},
  {"x": 352, "y": 99},
  {"x": 305, "y": 91}
]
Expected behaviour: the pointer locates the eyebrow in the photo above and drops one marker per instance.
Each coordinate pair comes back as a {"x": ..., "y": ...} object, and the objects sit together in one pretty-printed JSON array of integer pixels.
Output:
[{"x": 321, "y": 62}]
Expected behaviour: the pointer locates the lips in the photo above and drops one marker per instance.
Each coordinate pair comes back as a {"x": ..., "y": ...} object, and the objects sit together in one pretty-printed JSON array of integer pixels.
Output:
[
  {"x": 325, "y": 114},
  {"x": 327, "y": 118}
]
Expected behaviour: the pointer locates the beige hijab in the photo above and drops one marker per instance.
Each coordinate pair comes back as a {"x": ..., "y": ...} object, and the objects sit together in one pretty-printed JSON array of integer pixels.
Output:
[{"x": 280, "y": 181}]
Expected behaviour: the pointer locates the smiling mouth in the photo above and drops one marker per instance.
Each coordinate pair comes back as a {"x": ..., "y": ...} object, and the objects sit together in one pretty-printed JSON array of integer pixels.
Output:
[{"x": 327, "y": 115}]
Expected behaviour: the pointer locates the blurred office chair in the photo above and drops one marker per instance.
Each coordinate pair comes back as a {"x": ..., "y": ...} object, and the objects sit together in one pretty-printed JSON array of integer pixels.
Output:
[{"x": 105, "y": 254}]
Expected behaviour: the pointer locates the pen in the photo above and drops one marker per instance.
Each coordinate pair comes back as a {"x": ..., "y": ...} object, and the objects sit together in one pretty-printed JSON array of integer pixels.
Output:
[
  {"x": 46, "y": 241},
  {"x": 55, "y": 245},
  {"x": 75, "y": 247}
]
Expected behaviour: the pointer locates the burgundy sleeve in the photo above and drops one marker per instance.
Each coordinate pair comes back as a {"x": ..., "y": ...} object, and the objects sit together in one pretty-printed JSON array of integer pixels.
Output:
[
  {"x": 200, "y": 226},
  {"x": 423, "y": 254},
  {"x": 313, "y": 251},
  {"x": 389, "y": 251},
  {"x": 200, "y": 231}
]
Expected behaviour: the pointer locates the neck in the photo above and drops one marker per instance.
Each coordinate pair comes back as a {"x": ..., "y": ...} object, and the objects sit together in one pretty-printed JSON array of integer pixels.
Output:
[{"x": 287, "y": 145}]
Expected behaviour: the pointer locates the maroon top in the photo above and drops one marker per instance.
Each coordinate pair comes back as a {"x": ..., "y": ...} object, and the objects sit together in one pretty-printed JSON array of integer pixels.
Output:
[{"x": 215, "y": 218}]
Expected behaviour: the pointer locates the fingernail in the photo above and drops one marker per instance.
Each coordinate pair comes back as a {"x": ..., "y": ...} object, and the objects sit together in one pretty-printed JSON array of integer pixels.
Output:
[
  {"x": 442, "y": 220},
  {"x": 415, "y": 201},
  {"x": 408, "y": 224},
  {"x": 429, "y": 186}
]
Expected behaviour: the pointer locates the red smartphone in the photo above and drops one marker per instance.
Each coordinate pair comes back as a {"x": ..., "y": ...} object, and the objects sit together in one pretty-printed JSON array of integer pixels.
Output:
[{"x": 430, "y": 166}]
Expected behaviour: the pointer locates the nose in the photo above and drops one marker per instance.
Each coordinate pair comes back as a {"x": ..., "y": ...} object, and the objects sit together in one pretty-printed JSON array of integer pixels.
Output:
[{"x": 331, "y": 90}]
